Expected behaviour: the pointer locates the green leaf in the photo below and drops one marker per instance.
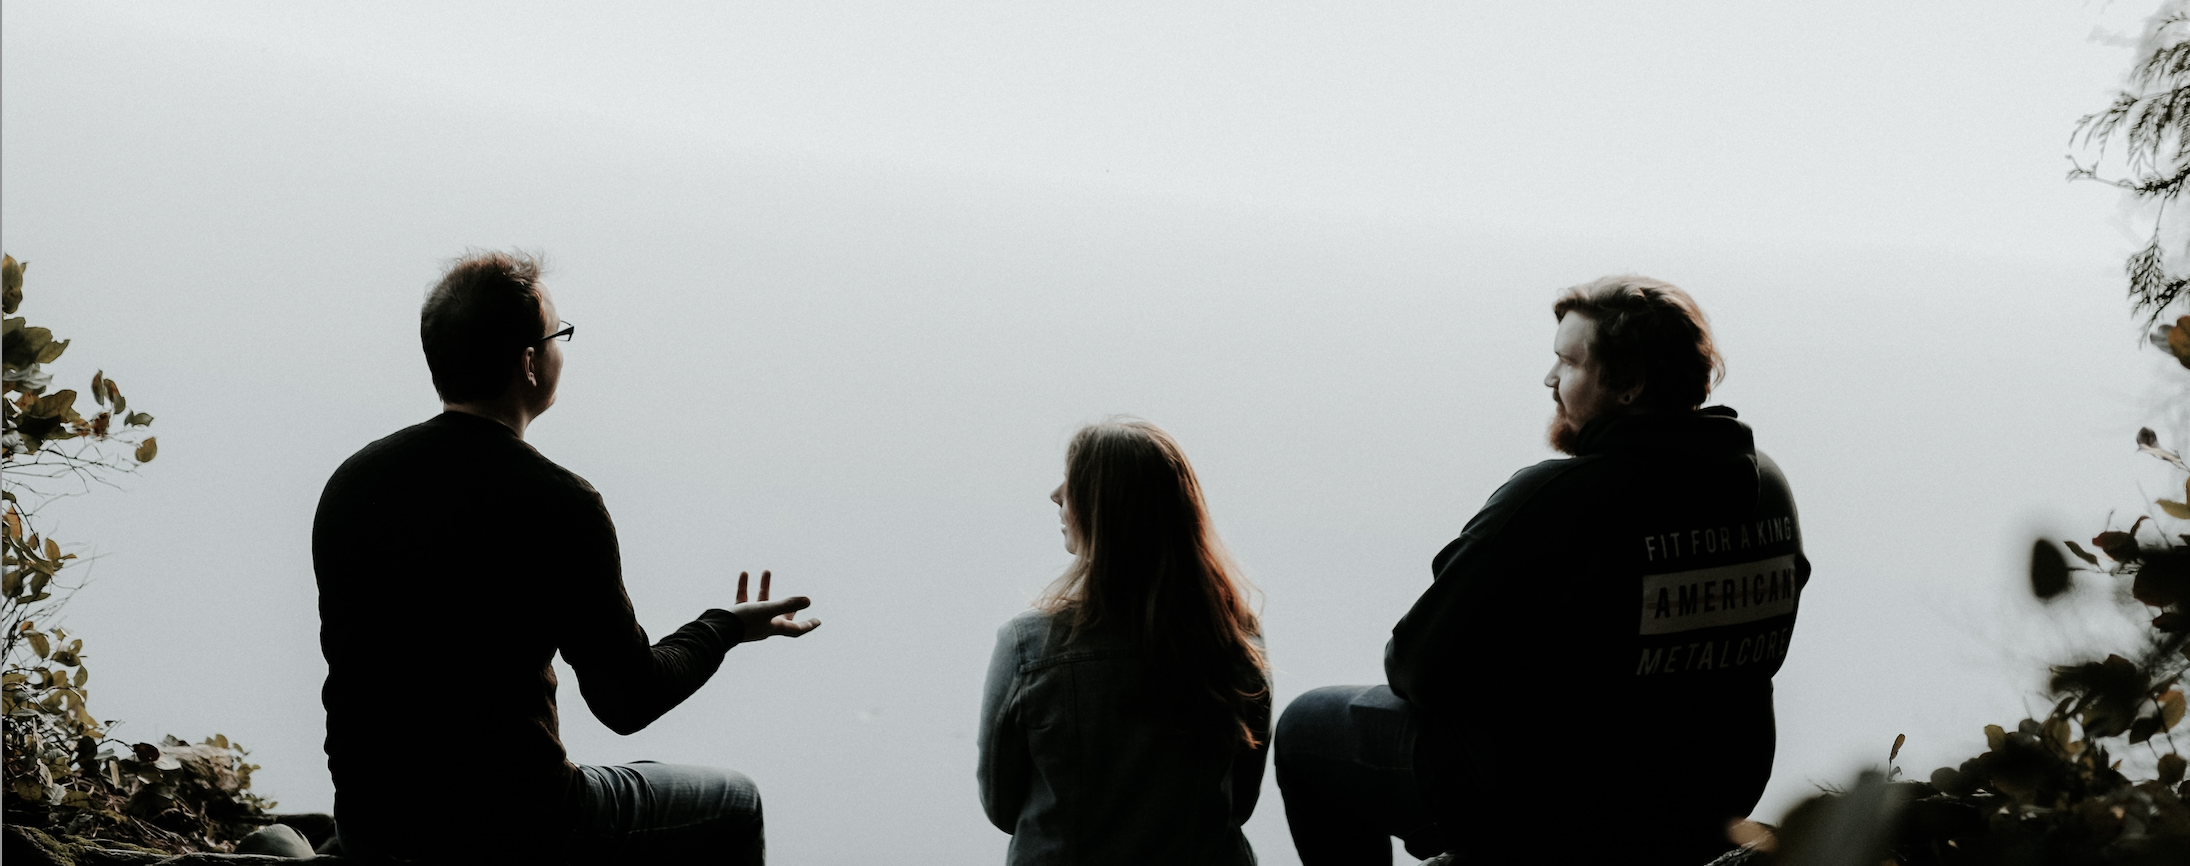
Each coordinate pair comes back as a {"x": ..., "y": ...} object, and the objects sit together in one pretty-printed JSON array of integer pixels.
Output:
[
  {"x": 1995, "y": 737},
  {"x": 38, "y": 643},
  {"x": 83, "y": 675},
  {"x": 2178, "y": 510},
  {"x": 148, "y": 449},
  {"x": 98, "y": 387},
  {"x": 138, "y": 419},
  {"x": 52, "y": 352}
]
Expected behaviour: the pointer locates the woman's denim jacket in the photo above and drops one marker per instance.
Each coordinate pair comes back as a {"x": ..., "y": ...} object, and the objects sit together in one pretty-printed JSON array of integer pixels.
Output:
[{"x": 1078, "y": 770}]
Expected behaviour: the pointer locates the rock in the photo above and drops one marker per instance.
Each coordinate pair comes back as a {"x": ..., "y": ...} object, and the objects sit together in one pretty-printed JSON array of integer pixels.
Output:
[{"x": 279, "y": 840}]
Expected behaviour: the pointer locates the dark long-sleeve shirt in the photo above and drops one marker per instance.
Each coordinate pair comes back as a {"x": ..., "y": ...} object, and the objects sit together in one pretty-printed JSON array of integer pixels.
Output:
[
  {"x": 1609, "y": 623},
  {"x": 454, "y": 562}
]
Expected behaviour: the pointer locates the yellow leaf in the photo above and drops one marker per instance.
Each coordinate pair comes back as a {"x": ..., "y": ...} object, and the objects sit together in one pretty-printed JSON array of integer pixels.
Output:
[
  {"x": 2171, "y": 707},
  {"x": 38, "y": 643},
  {"x": 148, "y": 449},
  {"x": 2174, "y": 509},
  {"x": 53, "y": 549}
]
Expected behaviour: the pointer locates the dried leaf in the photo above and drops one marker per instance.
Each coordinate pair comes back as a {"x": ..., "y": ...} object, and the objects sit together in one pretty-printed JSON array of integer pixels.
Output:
[
  {"x": 38, "y": 643},
  {"x": 2081, "y": 553},
  {"x": 148, "y": 449},
  {"x": 98, "y": 387},
  {"x": 2048, "y": 571},
  {"x": 2177, "y": 510},
  {"x": 2171, "y": 767},
  {"x": 11, "y": 282},
  {"x": 2171, "y": 707},
  {"x": 1995, "y": 737},
  {"x": 2117, "y": 545},
  {"x": 2149, "y": 443},
  {"x": 1898, "y": 739},
  {"x": 2164, "y": 579}
]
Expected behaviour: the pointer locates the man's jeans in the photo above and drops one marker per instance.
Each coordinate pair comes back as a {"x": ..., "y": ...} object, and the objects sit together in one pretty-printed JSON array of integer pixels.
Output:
[
  {"x": 669, "y": 814},
  {"x": 1345, "y": 764}
]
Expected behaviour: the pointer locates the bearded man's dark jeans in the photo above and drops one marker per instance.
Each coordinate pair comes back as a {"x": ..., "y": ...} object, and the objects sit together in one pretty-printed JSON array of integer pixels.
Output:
[{"x": 1345, "y": 765}]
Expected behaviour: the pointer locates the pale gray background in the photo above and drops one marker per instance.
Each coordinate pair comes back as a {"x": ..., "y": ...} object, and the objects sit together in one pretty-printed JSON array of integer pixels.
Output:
[{"x": 847, "y": 276}]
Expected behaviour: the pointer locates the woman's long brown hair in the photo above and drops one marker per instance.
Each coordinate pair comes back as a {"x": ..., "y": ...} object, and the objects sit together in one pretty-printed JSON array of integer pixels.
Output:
[{"x": 1150, "y": 562}]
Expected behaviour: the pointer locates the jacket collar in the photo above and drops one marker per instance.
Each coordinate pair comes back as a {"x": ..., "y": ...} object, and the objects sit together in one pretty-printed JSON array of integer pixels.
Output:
[{"x": 1712, "y": 428}]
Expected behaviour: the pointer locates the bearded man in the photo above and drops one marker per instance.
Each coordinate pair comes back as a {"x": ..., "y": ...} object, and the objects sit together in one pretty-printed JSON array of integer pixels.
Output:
[{"x": 1589, "y": 677}]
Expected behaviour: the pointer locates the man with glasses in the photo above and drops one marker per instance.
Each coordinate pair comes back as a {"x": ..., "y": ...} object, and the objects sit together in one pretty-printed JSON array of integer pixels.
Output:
[{"x": 454, "y": 562}]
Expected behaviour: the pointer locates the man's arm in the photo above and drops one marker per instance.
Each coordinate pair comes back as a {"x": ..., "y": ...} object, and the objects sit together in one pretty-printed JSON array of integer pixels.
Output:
[
  {"x": 1432, "y": 659},
  {"x": 627, "y": 683}
]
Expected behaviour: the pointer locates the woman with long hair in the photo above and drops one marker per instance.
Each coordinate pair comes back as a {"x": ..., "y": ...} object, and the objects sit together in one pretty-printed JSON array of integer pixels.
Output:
[{"x": 1127, "y": 716}]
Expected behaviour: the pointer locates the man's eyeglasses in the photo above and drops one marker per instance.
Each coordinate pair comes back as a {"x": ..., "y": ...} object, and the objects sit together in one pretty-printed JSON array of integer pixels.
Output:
[{"x": 563, "y": 335}]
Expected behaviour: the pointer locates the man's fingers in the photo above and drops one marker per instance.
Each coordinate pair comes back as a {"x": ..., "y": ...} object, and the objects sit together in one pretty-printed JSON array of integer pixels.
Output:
[
  {"x": 764, "y": 575},
  {"x": 786, "y": 606},
  {"x": 791, "y": 628},
  {"x": 741, "y": 587}
]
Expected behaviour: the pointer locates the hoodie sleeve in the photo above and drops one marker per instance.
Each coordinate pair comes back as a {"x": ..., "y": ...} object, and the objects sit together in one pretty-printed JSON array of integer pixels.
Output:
[{"x": 1431, "y": 655}]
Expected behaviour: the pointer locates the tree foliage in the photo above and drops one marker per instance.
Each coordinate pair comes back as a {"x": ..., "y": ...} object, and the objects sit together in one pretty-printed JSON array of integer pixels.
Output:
[
  {"x": 2146, "y": 122},
  {"x": 2055, "y": 789},
  {"x": 62, "y": 770}
]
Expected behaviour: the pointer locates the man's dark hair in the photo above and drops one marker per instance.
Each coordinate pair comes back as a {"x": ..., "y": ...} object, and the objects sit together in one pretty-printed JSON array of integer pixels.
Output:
[
  {"x": 1648, "y": 331},
  {"x": 477, "y": 321}
]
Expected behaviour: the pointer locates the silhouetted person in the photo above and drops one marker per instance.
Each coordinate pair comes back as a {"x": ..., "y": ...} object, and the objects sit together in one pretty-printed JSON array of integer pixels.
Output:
[
  {"x": 1125, "y": 717},
  {"x": 1589, "y": 678},
  {"x": 454, "y": 562}
]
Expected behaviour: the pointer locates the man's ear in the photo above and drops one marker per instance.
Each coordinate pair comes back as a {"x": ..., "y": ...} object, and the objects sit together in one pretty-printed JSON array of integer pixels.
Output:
[
  {"x": 1627, "y": 398},
  {"x": 532, "y": 373}
]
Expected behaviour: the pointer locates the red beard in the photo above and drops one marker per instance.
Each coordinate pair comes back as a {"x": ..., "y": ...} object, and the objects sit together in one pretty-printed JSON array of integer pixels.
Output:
[{"x": 1563, "y": 434}]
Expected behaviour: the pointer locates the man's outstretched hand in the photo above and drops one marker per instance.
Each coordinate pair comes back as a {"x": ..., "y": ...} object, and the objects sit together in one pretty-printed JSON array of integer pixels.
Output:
[{"x": 765, "y": 619}]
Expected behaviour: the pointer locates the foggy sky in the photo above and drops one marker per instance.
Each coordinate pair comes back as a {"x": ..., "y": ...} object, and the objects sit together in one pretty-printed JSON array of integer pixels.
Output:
[{"x": 846, "y": 277}]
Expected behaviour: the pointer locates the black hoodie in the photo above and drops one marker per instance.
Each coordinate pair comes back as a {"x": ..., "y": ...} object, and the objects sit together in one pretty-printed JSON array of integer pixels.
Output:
[{"x": 1594, "y": 660}]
